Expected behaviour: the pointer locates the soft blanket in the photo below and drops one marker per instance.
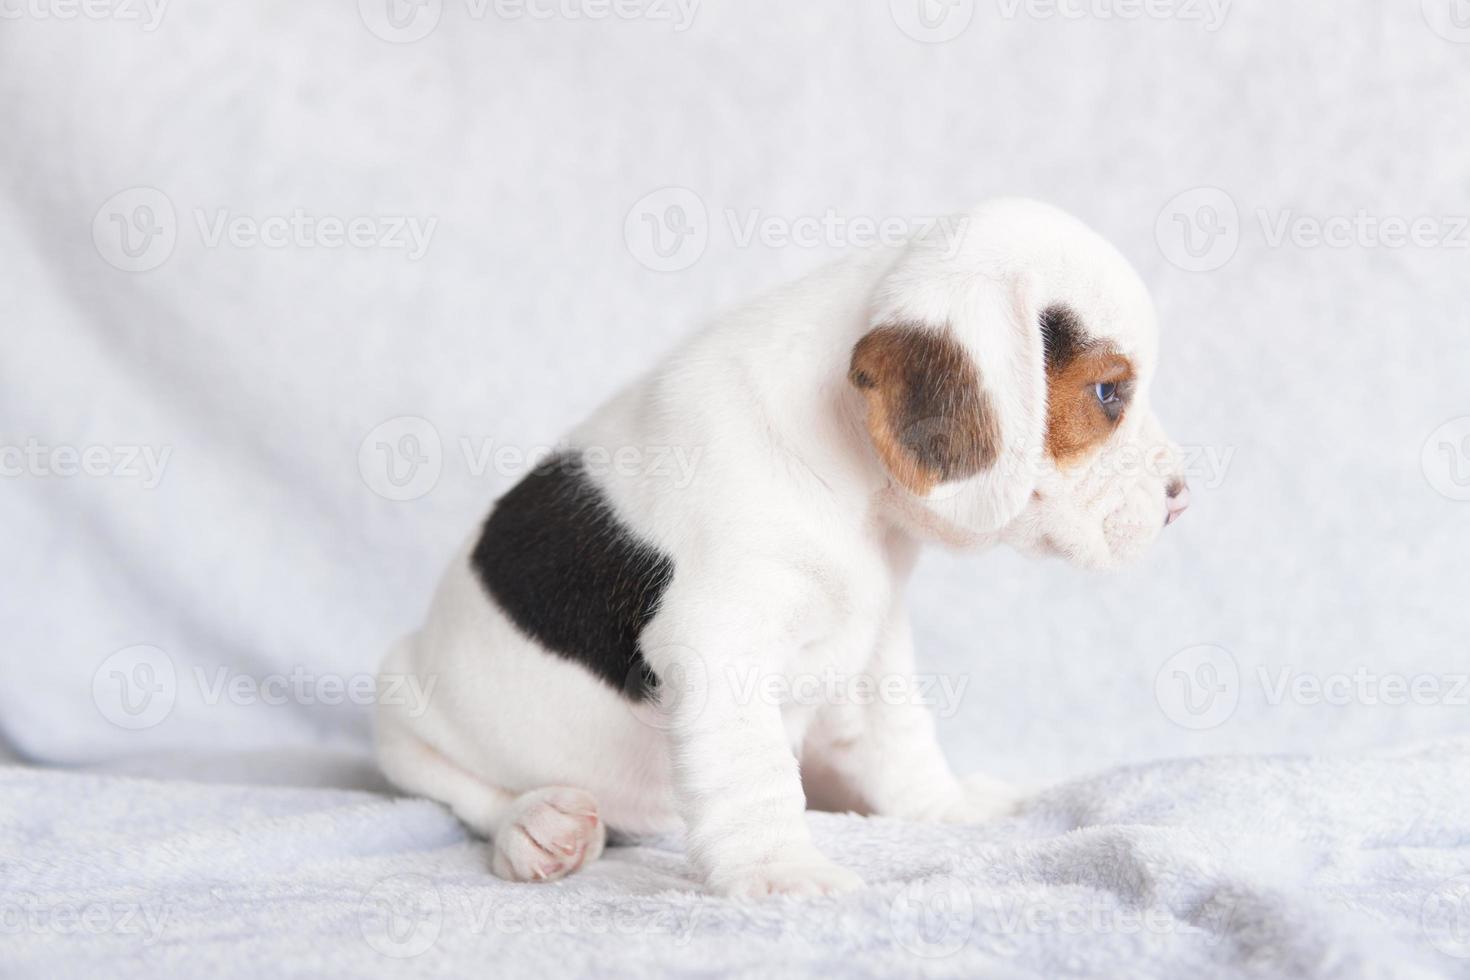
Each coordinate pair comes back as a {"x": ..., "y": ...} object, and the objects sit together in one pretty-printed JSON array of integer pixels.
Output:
[{"x": 1274, "y": 866}]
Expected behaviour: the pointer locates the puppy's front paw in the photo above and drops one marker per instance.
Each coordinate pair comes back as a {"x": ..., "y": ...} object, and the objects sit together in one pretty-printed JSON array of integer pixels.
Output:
[
  {"x": 982, "y": 799},
  {"x": 802, "y": 876}
]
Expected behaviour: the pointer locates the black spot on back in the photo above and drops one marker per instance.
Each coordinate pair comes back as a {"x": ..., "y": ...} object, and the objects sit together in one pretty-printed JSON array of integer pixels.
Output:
[{"x": 554, "y": 556}]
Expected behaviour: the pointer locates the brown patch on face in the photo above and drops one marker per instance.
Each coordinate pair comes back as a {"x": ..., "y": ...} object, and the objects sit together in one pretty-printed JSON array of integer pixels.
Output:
[
  {"x": 927, "y": 414},
  {"x": 1077, "y": 421}
]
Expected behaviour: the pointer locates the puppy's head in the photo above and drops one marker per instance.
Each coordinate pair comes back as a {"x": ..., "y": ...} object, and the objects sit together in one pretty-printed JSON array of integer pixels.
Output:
[{"x": 1005, "y": 376}]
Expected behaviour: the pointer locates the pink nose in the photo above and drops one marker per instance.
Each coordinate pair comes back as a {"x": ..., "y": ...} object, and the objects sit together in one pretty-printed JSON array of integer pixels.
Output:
[{"x": 1178, "y": 500}]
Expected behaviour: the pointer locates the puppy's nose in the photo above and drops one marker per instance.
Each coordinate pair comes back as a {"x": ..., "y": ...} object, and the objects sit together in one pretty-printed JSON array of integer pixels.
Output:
[{"x": 1178, "y": 500}]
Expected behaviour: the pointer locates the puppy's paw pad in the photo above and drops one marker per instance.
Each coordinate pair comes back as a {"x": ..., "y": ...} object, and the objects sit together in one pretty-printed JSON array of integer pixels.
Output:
[
  {"x": 549, "y": 834},
  {"x": 799, "y": 878}
]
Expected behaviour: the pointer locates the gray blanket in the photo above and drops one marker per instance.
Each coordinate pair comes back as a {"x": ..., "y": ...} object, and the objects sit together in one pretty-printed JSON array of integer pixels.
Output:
[{"x": 1273, "y": 866}]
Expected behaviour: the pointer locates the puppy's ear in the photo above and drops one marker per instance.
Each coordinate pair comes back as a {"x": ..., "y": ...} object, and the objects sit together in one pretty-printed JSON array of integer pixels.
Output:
[{"x": 928, "y": 416}]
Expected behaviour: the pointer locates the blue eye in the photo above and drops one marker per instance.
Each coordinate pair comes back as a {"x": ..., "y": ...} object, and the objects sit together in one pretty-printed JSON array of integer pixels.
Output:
[{"x": 1107, "y": 393}]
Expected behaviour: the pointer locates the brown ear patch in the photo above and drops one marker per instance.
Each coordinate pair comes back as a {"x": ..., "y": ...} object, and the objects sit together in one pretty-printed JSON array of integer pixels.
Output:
[
  {"x": 927, "y": 414},
  {"x": 1077, "y": 421}
]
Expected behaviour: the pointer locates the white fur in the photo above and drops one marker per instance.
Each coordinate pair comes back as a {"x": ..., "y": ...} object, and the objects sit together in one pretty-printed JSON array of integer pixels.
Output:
[{"x": 792, "y": 546}]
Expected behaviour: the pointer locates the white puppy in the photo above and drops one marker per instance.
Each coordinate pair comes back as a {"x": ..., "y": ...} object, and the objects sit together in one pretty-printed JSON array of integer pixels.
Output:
[{"x": 612, "y": 646}]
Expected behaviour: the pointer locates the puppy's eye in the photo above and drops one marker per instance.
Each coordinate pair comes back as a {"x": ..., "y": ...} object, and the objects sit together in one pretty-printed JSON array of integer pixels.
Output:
[{"x": 1110, "y": 398}]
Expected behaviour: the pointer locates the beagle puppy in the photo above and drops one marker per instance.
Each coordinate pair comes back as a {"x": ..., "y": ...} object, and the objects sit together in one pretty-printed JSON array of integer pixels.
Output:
[{"x": 617, "y": 645}]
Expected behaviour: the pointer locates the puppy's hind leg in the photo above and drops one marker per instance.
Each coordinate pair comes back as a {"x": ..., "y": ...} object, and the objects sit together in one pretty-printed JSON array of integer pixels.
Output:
[
  {"x": 417, "y": 768},
  {"x": 541, "y": 835},
  {"x": 548, "y": 833}
]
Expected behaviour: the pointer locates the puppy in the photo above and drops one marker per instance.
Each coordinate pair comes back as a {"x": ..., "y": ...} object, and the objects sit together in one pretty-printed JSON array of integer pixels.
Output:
[{"x": 612, "y": 644}]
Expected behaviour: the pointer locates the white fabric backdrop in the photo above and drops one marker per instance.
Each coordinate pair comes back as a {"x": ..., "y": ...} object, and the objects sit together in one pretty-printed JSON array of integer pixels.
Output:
[{"x": 1323, "y": 548}]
